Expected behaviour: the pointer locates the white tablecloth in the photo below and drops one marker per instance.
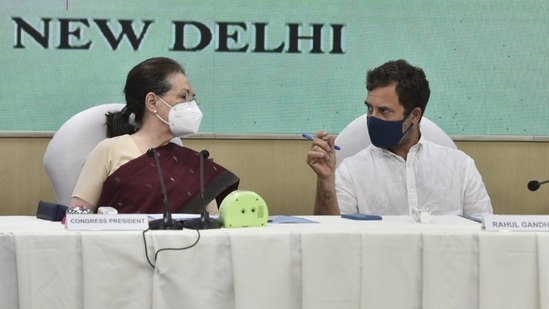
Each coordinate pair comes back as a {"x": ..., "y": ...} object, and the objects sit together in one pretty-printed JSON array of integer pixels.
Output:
[{"x": 336, "y": 263}]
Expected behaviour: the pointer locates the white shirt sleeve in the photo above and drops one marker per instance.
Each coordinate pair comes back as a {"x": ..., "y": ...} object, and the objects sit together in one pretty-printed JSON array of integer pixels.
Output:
[
  {"x": 346, "y": 191},
  {"x": 475, "y": 197}
]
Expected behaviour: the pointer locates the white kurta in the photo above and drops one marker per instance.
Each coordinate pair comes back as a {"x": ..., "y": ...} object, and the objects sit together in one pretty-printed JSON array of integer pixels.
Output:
[{"x": 446, "y": 180}]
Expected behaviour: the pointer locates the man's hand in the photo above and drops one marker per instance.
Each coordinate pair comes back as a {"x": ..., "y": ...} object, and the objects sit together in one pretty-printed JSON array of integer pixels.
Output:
[{"x": 321, "y": 156}]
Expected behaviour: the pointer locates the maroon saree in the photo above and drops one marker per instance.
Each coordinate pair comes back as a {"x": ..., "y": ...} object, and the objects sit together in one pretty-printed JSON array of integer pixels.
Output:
[{"x": 135, "y": 187}]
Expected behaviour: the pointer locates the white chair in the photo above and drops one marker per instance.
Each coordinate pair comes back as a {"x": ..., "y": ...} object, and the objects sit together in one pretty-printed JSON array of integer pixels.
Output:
[
  {"x": 71, "y": 144},
  {"x": 354, "y": 137}
]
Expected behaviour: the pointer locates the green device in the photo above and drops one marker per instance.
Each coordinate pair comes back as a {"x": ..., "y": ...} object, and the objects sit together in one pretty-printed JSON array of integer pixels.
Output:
[{"x": 243, "y": 208}]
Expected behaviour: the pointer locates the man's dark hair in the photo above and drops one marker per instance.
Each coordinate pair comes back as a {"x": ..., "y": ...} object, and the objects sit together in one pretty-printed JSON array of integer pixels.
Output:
[{"x": 412, "y": 87}]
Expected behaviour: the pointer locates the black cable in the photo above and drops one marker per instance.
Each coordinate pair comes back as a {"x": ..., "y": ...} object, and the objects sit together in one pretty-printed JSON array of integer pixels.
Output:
[
  {"x": 165, "y": 249},
  {"x": 146, "y": 251}
]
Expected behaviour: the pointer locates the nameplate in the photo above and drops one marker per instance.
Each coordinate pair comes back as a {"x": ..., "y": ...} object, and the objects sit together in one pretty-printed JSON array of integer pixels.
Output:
[
  {"x": 99, "y": 222},
  {"x": 532, "y": 223}
]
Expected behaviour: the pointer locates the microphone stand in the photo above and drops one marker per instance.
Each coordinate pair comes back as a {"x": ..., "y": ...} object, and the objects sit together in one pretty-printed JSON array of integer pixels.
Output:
[
  {"x": 204, "y": 222},
  {"x": 166, "y": 223}
]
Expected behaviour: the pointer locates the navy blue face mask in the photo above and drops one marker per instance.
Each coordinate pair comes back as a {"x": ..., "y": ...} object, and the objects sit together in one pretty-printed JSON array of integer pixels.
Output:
[{"x": 386, "y": 134}]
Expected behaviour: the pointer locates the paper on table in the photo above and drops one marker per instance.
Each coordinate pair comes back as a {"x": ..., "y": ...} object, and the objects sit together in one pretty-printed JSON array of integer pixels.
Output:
[
  {"x": 289, "y": 219},
  {"x": 177, "y": 216}
]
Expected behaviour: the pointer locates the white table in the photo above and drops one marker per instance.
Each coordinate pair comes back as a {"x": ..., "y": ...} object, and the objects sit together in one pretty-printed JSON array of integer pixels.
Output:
[{"x": 338, "y": 263}]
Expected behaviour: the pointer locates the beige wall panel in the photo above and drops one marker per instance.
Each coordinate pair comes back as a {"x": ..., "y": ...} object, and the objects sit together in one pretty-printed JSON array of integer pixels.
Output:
[
  {"x": 507, "y": 167},
  {"x": 276, "y": 170},
  {"x": 24, "y": 181}
]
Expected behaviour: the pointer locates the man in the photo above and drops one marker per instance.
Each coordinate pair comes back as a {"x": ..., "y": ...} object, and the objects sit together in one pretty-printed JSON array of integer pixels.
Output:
[{"x": 401, "y": 170}]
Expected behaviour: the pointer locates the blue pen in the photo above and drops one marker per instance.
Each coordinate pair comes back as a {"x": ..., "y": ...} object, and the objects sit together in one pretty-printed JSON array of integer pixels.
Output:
[{"x": 310, "y": 137}]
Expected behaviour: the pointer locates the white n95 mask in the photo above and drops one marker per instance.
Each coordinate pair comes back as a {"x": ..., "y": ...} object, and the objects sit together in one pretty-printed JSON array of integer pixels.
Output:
[{"x": 183, "y": 119}]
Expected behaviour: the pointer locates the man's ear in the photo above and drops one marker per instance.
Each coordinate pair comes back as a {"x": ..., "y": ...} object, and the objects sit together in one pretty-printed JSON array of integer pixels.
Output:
[{"x": 416, "y": 115}]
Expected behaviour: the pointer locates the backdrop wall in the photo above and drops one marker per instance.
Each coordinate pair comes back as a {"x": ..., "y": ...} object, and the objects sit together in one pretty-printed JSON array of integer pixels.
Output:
[{"x": 279, "y": 67}]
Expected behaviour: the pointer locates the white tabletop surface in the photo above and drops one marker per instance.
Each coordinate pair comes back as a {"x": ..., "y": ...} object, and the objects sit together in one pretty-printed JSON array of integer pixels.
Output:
[{"x": 335, "y": 263}]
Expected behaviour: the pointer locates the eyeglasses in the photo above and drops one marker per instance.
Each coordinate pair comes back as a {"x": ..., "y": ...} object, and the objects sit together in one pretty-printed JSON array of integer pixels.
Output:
[{"x": 187, "y": 97}]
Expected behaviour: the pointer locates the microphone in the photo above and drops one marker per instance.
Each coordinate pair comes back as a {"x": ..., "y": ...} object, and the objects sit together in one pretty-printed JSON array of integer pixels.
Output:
[
  {"x": 534, "y": 184},
  {"x": 166, "y": 223},
  {"x": 204, "y": 221},
  {"x": 204, "y": 154}
]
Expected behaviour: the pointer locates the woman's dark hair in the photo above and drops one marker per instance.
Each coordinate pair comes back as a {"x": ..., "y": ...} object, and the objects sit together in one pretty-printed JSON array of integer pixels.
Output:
[
  {"x": 412, "y": 87},
  {"x": 150, "y": 75}
]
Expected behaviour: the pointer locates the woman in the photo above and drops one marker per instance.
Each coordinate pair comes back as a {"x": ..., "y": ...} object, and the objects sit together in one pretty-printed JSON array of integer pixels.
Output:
[{"x": 121, "y": 171}]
